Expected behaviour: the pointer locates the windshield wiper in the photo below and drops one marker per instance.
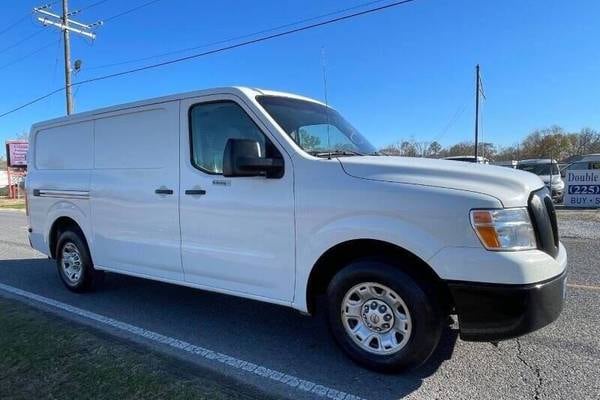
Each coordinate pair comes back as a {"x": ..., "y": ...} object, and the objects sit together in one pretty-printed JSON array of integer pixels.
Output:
[{"x": 335, "y": 153}]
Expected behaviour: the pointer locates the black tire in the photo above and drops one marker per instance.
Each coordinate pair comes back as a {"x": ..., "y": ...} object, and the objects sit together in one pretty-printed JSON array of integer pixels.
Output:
[
  {"x": 89, "y": 277},
  {"x": 420, "y": 298}
]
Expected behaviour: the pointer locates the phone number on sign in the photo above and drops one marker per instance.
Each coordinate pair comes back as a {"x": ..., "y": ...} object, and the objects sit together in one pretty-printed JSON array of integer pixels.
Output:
[{"x": 584, "y": 189}]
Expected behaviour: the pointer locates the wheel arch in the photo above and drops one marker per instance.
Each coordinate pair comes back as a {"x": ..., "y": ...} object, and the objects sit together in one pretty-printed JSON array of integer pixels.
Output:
[
  {"x": 64, "y": 213},
  {"x": 60, "y": 225},
  {"x": 339, "y": 255}
]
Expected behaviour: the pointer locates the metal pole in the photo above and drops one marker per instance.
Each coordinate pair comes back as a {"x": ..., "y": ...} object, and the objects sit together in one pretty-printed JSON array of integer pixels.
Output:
[
  {"x": 67, "y": 44},
  {"x": 551, "y": 165},
  {"x": 476, "y": 111},
  {"x": 10, "y": 196}
]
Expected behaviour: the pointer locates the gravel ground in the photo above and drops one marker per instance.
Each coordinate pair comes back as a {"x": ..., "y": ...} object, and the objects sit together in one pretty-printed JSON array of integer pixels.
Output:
[{"x": 577, "y": 224}]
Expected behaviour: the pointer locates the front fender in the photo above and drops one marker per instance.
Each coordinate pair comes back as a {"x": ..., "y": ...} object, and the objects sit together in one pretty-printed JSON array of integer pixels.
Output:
[{"x": 384, "y": 228}]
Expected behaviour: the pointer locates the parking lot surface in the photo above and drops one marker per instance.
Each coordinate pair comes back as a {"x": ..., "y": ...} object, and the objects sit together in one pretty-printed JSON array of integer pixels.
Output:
[{"x": 560, "y": 361}]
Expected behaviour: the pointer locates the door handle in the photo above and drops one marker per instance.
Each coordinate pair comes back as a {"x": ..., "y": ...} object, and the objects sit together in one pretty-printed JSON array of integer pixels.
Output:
[
  {"x": 196, "y": 192},
  {"x": 163, "y": 191}
]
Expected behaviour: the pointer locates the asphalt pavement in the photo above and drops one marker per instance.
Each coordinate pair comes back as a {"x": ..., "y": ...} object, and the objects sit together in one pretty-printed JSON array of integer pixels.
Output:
[{"x": 294, "y": 355}]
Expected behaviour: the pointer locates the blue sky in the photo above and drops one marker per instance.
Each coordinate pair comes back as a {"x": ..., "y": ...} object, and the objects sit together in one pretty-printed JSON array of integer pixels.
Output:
[{"x": 407, "y": 72}]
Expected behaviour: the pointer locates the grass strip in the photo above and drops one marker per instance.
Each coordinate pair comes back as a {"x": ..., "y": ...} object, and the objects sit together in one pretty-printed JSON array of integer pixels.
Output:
[{"x": 44, "y": 356}]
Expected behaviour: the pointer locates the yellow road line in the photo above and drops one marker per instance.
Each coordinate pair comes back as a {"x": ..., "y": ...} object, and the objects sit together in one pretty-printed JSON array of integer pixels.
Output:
[{"x": 574, "y": 285}]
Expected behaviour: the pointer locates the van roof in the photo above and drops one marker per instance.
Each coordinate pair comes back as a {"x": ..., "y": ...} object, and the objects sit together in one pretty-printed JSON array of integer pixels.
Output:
[
  {"x": 235, "y": 90},
  {"x": 538, "y": 161}
]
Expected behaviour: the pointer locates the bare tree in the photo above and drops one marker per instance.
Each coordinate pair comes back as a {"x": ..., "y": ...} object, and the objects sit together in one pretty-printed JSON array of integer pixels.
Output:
[
  {"x": 391, "y": 150},
  {"x": 308, "y": 141},
  {"x": 434, "y": 149},
  {"x": 22, "y": 136},
  {"x": 553, "y": 142},
  {"x": 408, "y": 149},
  {"x": 585, "y": 141}
]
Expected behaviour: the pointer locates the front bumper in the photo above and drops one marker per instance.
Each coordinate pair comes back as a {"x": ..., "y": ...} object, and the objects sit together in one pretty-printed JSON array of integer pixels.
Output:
[{"x": 492, "y": 312}]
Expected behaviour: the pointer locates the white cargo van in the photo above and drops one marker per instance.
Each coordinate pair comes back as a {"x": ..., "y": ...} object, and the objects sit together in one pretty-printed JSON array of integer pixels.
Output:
[{"x": 275, "y": 197}]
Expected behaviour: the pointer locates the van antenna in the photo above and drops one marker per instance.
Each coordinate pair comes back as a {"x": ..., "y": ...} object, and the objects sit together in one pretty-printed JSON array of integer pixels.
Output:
[{"x": 326, "y": 101}]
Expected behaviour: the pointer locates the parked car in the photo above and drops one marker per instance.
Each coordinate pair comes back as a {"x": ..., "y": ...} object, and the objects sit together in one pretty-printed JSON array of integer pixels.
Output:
[
  {"x": 548, "y": 171},
  {"x": 471, "y": 159},
  {"x": 276, "y": 197},
  {"x": 508, "y": 164},
  {"x": 589, "y": 161}
]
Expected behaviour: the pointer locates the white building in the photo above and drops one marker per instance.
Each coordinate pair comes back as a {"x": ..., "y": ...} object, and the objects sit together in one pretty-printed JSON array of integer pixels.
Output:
[{"x": 3, "y": 179}]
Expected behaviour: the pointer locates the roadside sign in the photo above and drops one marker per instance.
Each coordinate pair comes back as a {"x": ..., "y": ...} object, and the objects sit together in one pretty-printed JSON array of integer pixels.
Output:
[
  {"x": 16, "y": 153},
  {"x": 583, "y": 188}
]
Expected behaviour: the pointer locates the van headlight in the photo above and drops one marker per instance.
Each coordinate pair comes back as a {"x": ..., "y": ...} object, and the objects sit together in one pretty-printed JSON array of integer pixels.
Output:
[{"x": 504, "y": 229}]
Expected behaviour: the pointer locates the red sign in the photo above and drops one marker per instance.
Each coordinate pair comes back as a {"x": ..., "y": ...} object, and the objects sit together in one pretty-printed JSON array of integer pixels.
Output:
[{"x": 16, "y": 153}]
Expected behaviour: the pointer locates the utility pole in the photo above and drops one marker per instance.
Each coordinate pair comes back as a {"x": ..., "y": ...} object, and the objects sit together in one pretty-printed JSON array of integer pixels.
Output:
[
  {"x": 477, "y": 90},
  {"x": 66, "y": 25},
  {"x": 67, "y": 46}
]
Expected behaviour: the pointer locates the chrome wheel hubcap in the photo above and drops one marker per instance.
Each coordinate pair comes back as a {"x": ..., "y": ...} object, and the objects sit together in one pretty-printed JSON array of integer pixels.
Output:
[
  {"x": 376, "y": 318},
  {"x": 71, "y": 263}
]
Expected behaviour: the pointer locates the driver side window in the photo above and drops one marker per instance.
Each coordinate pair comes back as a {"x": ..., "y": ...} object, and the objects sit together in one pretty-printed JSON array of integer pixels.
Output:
[{"x": 211, "y": 125}]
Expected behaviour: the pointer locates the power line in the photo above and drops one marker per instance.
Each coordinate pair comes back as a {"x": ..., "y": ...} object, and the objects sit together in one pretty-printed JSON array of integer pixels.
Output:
[
  {"x": 32, "y": 101},
  {"x": 219, "y": 50},
  {"x": 23, "y": 18},
  {"x": 130, "y": 10},
  {"x": 28, "y": 55},
  {"x": 84, "y": 8},
  {"x": 66, "y": 25},
  {"x": 455, "y": 117},
  {"x": 26, "y": 38},
  {"x": 57, "y": 56},
  {"x": 185, "y": 50},
  {"x": 245, "y": 43},
  {"x": 17, "y": 22}
]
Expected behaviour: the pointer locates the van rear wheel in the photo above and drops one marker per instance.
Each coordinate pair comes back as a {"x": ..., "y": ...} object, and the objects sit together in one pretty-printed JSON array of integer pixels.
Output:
[
  {"x": 74, "y": 263},
  {"x": 383, "y": 318}
]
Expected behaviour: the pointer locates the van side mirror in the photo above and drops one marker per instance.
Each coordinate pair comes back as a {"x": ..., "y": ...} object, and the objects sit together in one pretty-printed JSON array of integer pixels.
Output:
[{"x": 242, "y": 157}]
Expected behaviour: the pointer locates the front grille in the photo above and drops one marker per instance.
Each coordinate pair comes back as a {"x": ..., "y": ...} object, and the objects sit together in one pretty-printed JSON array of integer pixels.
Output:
[{"x": 543, "y": 218}]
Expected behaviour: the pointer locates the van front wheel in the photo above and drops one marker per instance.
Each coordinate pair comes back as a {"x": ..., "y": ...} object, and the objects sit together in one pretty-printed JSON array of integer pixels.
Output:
[
  {"x": 74, "y": 263},
  {"x": 383, "y": 318}
]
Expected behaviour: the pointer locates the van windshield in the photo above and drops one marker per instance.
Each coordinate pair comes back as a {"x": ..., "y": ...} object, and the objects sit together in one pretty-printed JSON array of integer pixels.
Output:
[
  {"x": 317, "y": 129},
  {"x": 539, "y": 169}
]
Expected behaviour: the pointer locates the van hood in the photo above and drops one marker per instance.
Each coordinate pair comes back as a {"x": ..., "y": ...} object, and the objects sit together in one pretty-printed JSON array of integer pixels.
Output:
[{"x": 512, "y": 187}]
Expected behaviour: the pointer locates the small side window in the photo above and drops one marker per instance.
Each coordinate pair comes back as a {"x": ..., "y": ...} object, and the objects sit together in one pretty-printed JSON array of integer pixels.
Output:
[
  {"x": 212, "y": 125},
  {"x": 578, "y": 166}
]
